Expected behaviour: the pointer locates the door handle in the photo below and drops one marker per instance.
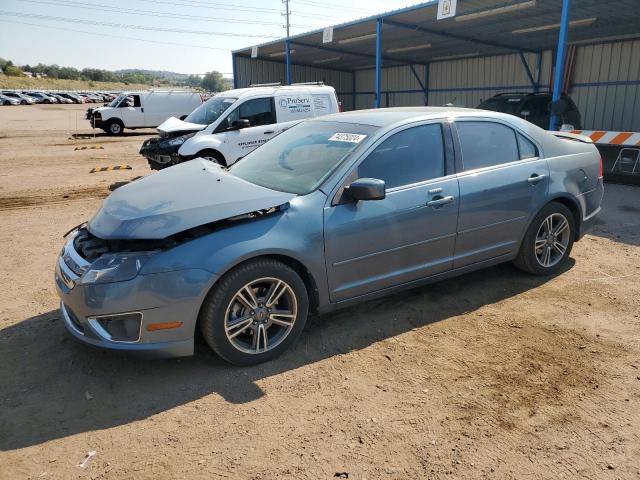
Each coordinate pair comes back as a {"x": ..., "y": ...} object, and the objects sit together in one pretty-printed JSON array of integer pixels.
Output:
[
  {"x": 535, "y": 178},
  {"x": 440, "y": 201},
  {"x": 142, "y": 109},
  {"x": 269, "y": 132}
]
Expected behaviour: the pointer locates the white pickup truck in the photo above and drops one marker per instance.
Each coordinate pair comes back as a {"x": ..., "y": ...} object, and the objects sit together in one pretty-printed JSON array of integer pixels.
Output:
[{"x": 233, "y": 123}]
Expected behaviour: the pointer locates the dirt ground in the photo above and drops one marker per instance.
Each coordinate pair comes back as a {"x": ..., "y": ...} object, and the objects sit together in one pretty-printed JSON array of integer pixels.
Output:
[{"x": 493, "y": 375}]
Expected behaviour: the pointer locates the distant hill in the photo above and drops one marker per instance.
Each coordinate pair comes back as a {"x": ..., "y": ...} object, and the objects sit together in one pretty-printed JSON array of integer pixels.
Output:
[{"x": 173, "y": 76}]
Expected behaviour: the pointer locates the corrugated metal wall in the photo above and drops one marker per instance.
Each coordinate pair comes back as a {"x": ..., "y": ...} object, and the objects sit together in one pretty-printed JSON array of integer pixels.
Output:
[
  {"x": 253, "y": 70},
  {"x": 605, "y": 83},
  {"x": 615, "y": 103}
]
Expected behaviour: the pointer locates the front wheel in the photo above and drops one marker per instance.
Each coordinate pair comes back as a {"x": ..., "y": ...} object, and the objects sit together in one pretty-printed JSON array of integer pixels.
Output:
[
  {"x": 548, "y": 242},
  {"x": 115, "y": 127},
  {"x": 255, "y": 313}
]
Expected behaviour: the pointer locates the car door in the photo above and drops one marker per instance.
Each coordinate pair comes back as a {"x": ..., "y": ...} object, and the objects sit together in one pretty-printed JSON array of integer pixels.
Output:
[
  {"x": 503, "y": 182},
  {"x": 261, "y": 115},
  {"x": 373, "y": 245},
  {"x": 131, "y": 111}
]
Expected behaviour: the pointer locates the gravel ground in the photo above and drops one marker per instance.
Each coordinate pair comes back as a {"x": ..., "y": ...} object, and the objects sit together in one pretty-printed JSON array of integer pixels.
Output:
[{"x": 495, "y": 374}]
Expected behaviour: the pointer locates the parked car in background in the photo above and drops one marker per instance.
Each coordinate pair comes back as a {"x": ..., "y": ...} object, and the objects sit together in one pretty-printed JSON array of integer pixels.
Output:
[
  {"x": 22, "y": 98},
  {"x": 60, "y": 98},
  {"x": 332, "y": 211},
  {"x": 143, "y": 110},
  {"x": 535, "y": 108},
  {"x": 72, "y": 96},
  {"x": 4, "y": 100},
  {"x": 41, "y": 97},
  {"x": 235, "y": 122}
]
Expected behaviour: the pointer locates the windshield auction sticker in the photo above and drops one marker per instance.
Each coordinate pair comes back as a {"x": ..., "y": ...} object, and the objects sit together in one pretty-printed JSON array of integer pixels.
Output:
[{"x": 347, "y": 137}]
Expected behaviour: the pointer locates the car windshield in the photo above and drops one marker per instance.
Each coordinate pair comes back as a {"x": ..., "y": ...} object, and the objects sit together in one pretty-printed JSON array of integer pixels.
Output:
[
  {"x": 210, "y": 111},
  {"x": 505, "y": 105},
  {"x": 301, "y": 158}
]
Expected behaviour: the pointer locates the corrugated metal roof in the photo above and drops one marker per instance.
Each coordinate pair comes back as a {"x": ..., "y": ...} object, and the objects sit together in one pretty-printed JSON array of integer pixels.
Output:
[{"x": 480, "y": 28}]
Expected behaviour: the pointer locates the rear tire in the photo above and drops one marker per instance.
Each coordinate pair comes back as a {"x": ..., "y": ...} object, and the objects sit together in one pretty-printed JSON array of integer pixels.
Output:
[
  {"x": 255, "y": 312},
  {"x": 547, "y": 244}
]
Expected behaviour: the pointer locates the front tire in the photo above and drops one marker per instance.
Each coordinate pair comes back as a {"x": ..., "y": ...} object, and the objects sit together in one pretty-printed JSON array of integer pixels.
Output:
[
  {"x": 548, "y": 242},
  {"x": 255, "y": 313},
  {"x": 115, "y": 127},
  {"x": 212, "y": 156}
]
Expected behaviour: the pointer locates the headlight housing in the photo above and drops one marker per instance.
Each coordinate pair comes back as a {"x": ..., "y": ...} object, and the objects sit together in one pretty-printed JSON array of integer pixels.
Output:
[
  {"x": 174, "y": 142},
  {"x": 115, "y": 267}
]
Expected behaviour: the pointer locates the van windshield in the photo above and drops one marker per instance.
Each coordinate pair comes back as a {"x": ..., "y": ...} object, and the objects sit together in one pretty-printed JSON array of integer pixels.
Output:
[
  {"x": 117, "y": 100},
  {"x": 302, "y": 157},
  {"x": 210, "y": 111}
]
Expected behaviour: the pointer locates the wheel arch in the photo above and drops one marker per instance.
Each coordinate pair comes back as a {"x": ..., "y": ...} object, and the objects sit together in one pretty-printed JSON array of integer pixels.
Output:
[
  {"x": 212, "y": 150},
  {"x": 574, "y": 208},
  {"x": 295, "y": 264}
]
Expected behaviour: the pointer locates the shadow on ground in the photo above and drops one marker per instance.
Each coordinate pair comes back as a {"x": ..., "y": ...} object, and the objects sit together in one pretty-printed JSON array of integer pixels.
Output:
[
  {"x": 619, "y": 219},
  {"x": 53, "y": 386}
]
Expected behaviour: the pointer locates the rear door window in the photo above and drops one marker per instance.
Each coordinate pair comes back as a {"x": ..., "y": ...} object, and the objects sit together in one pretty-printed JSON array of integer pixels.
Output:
[
  {"x": 527, "y": 149},
  {"x": 411, "y": 156},
  {"x": 485, "y": 144}
]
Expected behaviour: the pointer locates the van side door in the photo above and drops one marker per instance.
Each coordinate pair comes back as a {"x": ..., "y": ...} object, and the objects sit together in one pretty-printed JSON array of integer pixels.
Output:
[
  {"x": 260, "y": 112},
  {"x": 503, "y": 183}
]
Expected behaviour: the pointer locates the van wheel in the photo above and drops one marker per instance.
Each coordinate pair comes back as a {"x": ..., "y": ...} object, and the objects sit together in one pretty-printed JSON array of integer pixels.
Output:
[
  {"x": 255, "y": 313},
  {"x": 212, "y": 156},
  {"x": 115, "y": 127},
  {"x": 548, "y": 242}
]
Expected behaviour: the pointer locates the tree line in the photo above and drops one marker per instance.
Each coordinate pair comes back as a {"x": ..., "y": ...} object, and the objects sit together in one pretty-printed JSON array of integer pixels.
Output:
[{"x": 212, "y": 81}]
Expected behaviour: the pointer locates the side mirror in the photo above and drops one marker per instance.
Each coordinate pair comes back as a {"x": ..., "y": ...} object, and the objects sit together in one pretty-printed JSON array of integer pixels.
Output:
[
  {"x": 240, "y": 124},
  {"x": 367, "y": 189}
]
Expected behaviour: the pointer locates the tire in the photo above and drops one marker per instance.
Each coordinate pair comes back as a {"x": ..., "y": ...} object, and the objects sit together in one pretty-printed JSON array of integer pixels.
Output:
[
  {"x": 23, "y": 102},
  {"x": 245, "y": 344},
  {"x": 543, "y": 252},
  {"x": 212, "y": 156},
  {"x": 115, "y": 127}
]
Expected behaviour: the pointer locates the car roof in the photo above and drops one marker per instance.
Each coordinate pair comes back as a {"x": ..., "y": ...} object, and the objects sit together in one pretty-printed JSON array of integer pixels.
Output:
[
  {"x": 271, "y": 90},
  {"x": 382, "y": 117}
]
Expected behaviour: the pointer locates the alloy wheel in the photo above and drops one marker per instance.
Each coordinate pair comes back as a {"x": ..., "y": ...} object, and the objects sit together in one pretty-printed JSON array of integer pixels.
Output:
[
  {"x": 260, "y": 315},
  {"x": 552, "y": 240}
]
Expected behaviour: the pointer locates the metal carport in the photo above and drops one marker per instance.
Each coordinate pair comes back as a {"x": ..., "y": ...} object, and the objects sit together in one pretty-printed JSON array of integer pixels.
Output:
[{"x": 411, "y": 42}]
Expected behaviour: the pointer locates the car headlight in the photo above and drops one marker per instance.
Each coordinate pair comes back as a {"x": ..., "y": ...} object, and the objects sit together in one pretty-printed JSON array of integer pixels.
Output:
[
  {"x": 174, "y": 142},
  {"x": 115, "y": 267}
]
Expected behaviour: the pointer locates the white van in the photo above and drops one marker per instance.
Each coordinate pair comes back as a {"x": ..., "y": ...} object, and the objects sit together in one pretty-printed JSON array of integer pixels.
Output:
[
  {"x": 233, "y": 123},
  {"x": 143, "y": 109}
]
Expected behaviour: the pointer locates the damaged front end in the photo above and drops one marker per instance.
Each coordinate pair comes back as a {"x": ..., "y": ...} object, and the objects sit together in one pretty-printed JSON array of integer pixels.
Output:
[{"x": 162, "y": 152}]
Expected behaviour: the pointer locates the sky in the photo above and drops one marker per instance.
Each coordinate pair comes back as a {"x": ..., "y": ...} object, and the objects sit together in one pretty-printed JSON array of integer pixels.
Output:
[{"x": 185, "y": 36}]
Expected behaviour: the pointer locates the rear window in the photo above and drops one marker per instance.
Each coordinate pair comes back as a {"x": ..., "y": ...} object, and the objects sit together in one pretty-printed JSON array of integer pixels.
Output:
[
  {"x": 510, "y": 105},
  {"x": 485, "y": 144}
]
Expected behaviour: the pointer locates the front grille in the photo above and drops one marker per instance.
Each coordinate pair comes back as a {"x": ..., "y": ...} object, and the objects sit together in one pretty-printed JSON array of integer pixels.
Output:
[{"x": 89, "y": 246}]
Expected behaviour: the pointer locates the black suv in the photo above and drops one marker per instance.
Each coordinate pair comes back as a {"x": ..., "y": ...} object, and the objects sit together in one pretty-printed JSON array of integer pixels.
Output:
[{"x": 536, "y": 108}]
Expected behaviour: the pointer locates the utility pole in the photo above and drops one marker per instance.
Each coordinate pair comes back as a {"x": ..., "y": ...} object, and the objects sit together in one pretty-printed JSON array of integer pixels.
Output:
[
  {"x": 287, "y": 44},
  {"x": 286, "y": 14}
]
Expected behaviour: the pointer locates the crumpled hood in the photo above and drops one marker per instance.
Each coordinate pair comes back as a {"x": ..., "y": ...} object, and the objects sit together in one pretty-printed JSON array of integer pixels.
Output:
[
  {"x": 179, "y": 198},
  {"x": 174, "y": 124}
]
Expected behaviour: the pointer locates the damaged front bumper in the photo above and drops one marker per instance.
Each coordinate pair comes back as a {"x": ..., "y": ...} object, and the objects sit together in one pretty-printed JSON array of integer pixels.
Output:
[
  {"x": 131, "y": 315},
  {"x": 159, "y": 154}
]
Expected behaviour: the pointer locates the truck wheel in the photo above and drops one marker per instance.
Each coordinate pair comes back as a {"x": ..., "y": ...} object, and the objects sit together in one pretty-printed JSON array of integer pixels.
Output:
[
  {"x": 115, "y": 127},
  {"x": 255, "y": 313},
  {"x": 212, "y": 156},
  {"x": 548, "y": 242}
]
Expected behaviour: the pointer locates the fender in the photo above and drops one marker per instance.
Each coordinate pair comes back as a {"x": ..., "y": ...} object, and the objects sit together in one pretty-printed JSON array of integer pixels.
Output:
[{"x": 200, "y": 141}]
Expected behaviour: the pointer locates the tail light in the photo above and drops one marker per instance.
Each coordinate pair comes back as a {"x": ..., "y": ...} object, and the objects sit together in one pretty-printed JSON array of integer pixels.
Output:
[{"x": 601, "y": 168}]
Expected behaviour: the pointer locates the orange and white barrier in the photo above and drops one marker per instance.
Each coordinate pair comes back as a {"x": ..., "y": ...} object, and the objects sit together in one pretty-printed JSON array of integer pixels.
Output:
[{"x": 631, "y": 139}]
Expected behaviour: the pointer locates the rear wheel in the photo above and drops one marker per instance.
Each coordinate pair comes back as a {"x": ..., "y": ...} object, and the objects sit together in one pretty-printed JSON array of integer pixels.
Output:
[
  {"x": 255, "y": 312},
  {"x": 548, "y": 242}
]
